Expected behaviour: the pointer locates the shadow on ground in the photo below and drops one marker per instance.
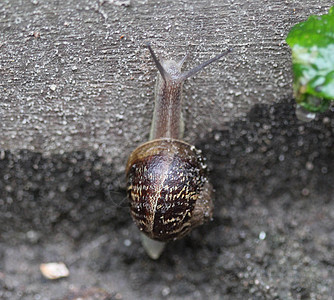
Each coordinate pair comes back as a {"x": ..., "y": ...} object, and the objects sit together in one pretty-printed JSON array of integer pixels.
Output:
[{"x": 272, "y": 236}]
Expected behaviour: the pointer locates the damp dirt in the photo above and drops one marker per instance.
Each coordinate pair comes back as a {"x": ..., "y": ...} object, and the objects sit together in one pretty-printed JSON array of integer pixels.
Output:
[{"x": 272, "y": 235}]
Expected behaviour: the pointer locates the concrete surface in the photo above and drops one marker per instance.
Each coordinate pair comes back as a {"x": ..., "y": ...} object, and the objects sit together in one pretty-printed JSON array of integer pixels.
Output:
[{"x": 75, "y": 75}]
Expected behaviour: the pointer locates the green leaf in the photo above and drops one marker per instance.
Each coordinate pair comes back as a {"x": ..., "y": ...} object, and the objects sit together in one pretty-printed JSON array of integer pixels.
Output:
[{"x": 312, "y": 44}]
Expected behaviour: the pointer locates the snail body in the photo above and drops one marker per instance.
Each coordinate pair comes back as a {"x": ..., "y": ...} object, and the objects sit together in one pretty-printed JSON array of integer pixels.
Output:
[{"x": 167, "y": 182}]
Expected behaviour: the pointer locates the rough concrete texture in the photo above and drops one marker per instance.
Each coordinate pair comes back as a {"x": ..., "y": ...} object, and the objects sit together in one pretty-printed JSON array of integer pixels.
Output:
[
  {"x": 76, "y": 97},
  {"x": 75, "y": 74}
]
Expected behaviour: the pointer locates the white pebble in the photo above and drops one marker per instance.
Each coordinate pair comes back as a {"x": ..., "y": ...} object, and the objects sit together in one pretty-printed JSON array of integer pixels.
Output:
[{"x": 54, "y": 270}]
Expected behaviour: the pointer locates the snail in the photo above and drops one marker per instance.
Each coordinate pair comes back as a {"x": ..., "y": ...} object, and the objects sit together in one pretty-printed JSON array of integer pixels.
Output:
[{"x": 167, "y": 183}]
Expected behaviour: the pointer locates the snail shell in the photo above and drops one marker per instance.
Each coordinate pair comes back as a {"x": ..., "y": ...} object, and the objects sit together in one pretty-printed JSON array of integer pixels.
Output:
[{"x": 168, "y": 188}]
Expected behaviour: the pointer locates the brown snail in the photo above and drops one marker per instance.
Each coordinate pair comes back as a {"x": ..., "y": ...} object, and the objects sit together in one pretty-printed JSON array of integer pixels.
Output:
[{"x": 167, "y": 185}]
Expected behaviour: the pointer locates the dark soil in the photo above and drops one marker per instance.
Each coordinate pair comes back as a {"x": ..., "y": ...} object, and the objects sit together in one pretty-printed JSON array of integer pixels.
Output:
[{"x": 272, "y": 236}]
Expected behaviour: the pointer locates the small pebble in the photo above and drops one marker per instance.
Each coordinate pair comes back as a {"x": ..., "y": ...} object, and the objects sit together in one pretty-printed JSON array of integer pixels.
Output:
[
  {"x": 54, "y": 270},
  {"x": 53, "y": 87},
  {"x": 262, "y": 235}
]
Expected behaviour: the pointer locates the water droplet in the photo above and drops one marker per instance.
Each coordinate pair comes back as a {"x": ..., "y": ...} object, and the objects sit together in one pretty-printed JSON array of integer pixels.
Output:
[
  {"x": 281, "y": 157},
  {"x": 304, "y": 115},
  {"x": 127, "y": 243}
]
